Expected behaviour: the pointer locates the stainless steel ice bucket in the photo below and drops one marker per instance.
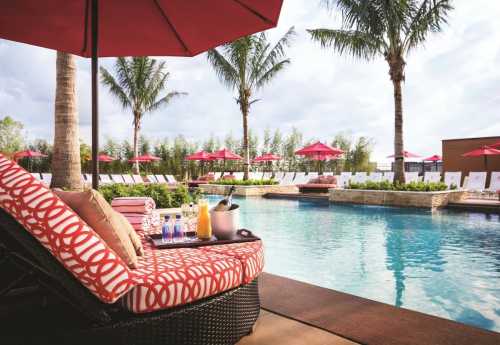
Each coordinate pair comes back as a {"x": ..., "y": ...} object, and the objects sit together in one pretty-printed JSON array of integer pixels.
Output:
[{"x": 225, "y": 223}]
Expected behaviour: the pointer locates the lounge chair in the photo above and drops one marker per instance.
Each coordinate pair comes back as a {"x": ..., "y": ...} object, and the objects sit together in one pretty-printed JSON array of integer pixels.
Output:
[
  {"x": 171, "y": 179},
  {"x": 388, "y": 176},
  {"x": 239, "y": 175},
  {"x": 494, "y": 182},
  {"x": 375, "y": 177},
  {"x": 411, "y": 176},
  {"x": 128, "y": 179},
  {"x": 320, "y": 184},
  {"x": 300, "y": 178},
  {"x": 161, "y": 179},
  {"x": 453, "y": 178},
  {"x": 152, "y": 179},
  {"x": 476, "y": 181},
  {"x": 344, "y": 179},
  {"x": 312, "y": 175},
  {"x": 359, "y": 177},
  {"x": 117, "y": 178},
  {"x": 88, "y": 178},
  {"x": 137, "y": 179},
  {"x": 46, "y": 179},
  {"x": 100, "y": 299},
  {"x": 105, "y": 179},
  {"x": 253, "y": 175},
  {"x": 287, "y": 179},
  {"x": 432, "y": 176}
]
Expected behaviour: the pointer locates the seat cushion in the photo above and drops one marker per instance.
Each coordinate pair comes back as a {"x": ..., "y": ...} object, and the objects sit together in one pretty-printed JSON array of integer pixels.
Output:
[
  {"x": 59, "y": 229},
  {"x": 172, "y": 277},
  {"x": 91, "y": 206},
  {"x": 250, "y": 255}
]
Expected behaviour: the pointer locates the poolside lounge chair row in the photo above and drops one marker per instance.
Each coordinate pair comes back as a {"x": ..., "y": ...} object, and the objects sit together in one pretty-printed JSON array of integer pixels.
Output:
[{"x": 106, "y": 179}]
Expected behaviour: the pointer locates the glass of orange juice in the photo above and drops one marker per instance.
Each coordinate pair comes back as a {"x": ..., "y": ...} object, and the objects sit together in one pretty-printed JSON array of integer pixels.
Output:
[{"x": 204, "y": 226}]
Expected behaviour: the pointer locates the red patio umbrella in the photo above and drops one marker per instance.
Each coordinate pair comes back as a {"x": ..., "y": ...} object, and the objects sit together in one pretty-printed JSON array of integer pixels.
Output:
[
  {"x": 406, "y": 154},
  {"x": 434, "y": 158},
  {"x": 484, "y": 151},
  {"x": 146, "y": 158},
  {"x": 105, "y": 158},
  {"x": 267, "y": 157},
  {"x": 94, "y": 28},
  {"x": 319, "y": 152},
  {"x": 495, "y": 145},
  {"x": 28, "y": 154},
  {"x": 225, "y": 155},
  {"x": 201, "y": 156}
]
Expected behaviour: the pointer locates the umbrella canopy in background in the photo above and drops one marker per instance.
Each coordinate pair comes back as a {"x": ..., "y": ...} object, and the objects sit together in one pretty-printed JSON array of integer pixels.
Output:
[
  {"x": 225, "y": 155},
  {"x": 483, "y": 151},
  {"x": 495, "y": 145},
  {"x": 406, "y": 154},
  {"x": 201, "y": 156},
  {"x": 105, "y": 158},
  {"x": 28, "y": 154},
  {"x": 146, "y": 158},
  {"x": 433, "y": 158},
  {"x": 319, "y": 152},
  {"x": 267, "y": 158},
  {"x": 93, "y": 28}
]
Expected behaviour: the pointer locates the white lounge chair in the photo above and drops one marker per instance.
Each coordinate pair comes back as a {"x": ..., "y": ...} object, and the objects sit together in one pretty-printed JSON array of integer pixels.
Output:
[
  {"x": 255, "y": 175},
  {"x": 453, "y": 178},
  {"x": 494, "y": 181},
  {"x": 287, "y": 179},
  {"x": 432, "y": 176},
  {"x": 104, "y": 179},
  {"x": 88, "y": 178},
  {"x": 161, "y": 179},
  {"x": 388, "y": 176},
  {"x": 375, "y": 177},
  {"x": 46, "y": 179},
  {"x": 344, "y": 179},
  {"x": 171, "y": 179},
  {"x": 239, "y": 175},
  {"x": 411, "y": 176},
  {"x": 312, "y": 175},
  {"x": 278, "y": 176},
  {"x": 476, "y": 181},
  {"x": 152, "y": 179},
  {"x": 37, "y": 176},
  {"x": 267, "y": 175},
  {"x": 137, "y": 179},
  {"x": 300, "y": 178},
  {"x": 128, "y": 179},
  {"x": 359, "y": 177},
  {"x": 117, "y": 178}
]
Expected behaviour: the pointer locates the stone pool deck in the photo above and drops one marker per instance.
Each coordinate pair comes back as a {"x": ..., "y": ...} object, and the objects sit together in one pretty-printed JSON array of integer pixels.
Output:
[
  {"x": 246, "y": 190},
  {"x": 296, "y": 313}
]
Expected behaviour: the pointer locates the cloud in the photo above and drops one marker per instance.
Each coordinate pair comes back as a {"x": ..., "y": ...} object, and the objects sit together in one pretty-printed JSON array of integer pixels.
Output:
[{"x": 451, "y": 89}]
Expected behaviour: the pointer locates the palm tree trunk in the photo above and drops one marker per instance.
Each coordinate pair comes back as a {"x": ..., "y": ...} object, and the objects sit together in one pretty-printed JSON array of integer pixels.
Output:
[
  {"x": 246, "y": 149},
  {"x": 396, "y": 71},
  {"x": 135, "y": 168},
  {"x": 66, "y": 164}
]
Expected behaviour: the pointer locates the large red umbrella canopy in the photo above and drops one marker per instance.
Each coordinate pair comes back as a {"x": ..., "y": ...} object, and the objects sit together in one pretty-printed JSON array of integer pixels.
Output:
[
  {"x": 406, "y": 154},
  {"x": 200, "y": 156},
  {"x": 28, "y": 154},
  {"x": 434, "y": 158},
  {"x": 105, "y": 158},
  {"x": 482, "y": 151},
  {"x": 267, "y": 157},
  {"x": 495, "y": 145},
  {"x": 319, "y": 149},
  {"x": 146, "y": 158},
  {"x": 226, "y": 155},
  {"x": 133, "y": 27}
]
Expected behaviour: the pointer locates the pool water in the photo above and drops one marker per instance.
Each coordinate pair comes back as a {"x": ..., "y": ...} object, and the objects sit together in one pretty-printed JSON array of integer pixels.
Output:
[{"x": 443, "y": 263}]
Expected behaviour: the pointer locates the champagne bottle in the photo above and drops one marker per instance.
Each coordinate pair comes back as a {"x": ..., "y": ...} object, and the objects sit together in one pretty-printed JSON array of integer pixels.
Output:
[{"x": 225, "y": 204}]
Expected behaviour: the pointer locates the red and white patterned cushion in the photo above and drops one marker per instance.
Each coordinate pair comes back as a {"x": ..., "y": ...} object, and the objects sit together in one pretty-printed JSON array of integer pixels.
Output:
[
  {"x": 250, "y": 254},
  {"x": 63, "y": 233},
  {"x": 178, "y": 276}
]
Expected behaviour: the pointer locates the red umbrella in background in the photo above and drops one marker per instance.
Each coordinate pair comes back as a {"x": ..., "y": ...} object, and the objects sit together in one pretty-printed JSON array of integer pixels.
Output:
[
  {"x": 201, "y": 156},
  {"x": 105, "y": 158},
  {"x": 495, "y": 145},
  {"x": 146, "y": 158},
  {"x": 434, "y": 158},
  {"x": 319, "y": 152},
  {"x": 267, "y": 158},
  {"x": 484, "y": 151},
  {"x": 93, "y": 28},
  {"x": 28, "y": 154},
  {"x": 406, "y": 154},
  {"x": 225, "y": 155}
]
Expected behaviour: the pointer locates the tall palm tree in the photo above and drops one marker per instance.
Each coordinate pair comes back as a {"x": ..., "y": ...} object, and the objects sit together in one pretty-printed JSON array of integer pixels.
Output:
[
  {"x": 66, "y": 164},
  {"x": 138, "y": 84},
  {"x": 246, "y": 65},
  {"x": 387, "y": 28}
]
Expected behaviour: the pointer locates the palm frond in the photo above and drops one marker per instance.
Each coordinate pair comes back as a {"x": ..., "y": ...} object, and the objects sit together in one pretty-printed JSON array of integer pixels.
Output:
[
  {"x": 356, "y": 43},
  {"x": 226, "y": 72},
  {"x": 165, "y": 100},
  {"x": 271, "y": 73},
  {"x": 115, "y": 88}
]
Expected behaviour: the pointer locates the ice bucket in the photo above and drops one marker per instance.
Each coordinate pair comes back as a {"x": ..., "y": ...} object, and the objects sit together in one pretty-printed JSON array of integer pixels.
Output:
[{"x": 225, "y": 223}]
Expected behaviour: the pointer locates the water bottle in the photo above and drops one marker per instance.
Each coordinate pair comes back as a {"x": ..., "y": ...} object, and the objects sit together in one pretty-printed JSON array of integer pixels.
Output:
[
  {"x": 178, "y": 231},
  {"x": 166, "y": 230}
]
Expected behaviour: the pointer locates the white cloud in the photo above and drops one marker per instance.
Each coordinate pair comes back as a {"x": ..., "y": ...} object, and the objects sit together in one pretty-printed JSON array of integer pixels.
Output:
[{"x": 451, "y": 88}]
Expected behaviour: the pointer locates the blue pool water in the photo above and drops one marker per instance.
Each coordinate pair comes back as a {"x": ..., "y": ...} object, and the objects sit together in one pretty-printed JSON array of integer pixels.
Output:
[{"x": 443, "y": 263}]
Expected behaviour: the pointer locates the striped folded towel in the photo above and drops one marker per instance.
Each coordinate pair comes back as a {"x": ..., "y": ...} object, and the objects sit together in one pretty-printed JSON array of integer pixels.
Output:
[
  {"x": 138, "y": 205},
  {"x": 139, "y": 221}
]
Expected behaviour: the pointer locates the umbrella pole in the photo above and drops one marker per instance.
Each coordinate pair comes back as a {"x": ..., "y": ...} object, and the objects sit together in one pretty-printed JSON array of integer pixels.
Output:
[{"x": 95, "y": 110}]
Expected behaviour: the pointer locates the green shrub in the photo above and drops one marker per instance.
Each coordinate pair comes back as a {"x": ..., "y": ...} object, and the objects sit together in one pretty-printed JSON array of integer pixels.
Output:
[
  {"x": 245, "y": 183},
  {"x": 410, "y": 187},
  {"x": 161, "y": 194}
]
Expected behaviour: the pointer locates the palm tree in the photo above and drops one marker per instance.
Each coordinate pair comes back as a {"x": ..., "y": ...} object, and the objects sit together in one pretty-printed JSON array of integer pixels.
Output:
[
  {"x": 66, "y": 164},
  {"x": 138, "y": 84},
  {"x": 387, "y": 28},
  {"x": 246, "y": 65}
]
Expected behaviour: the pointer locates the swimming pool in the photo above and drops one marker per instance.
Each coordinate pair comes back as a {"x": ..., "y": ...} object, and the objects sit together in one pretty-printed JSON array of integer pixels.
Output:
[{"x": 444, "y": 263}]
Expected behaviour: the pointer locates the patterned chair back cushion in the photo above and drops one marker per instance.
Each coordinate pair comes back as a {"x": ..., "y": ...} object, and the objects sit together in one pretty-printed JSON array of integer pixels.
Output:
[{"x": 75, "y": 245}]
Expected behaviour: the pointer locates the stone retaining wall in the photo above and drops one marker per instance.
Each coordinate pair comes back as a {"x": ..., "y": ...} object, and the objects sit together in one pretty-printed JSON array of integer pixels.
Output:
[
  {"x": 246, "y": 190},
  {"x": 397, "y": 198}
]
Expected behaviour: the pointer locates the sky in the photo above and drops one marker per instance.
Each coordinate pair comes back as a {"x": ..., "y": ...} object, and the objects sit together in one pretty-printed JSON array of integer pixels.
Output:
[{"x": 452, "y": 89}]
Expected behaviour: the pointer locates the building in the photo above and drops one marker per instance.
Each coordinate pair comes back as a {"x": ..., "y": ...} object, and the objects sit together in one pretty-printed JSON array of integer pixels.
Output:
[{"x": 453, "y": 160}]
